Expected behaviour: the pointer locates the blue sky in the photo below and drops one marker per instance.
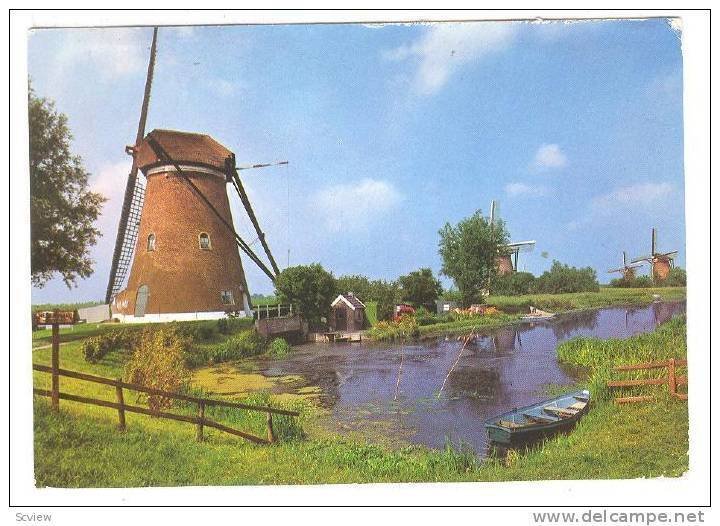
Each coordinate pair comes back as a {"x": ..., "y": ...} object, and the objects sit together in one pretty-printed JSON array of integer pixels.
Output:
[{"x": 393, "y": 130}]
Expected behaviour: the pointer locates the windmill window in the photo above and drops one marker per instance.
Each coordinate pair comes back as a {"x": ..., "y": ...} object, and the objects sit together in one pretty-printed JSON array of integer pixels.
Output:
[
  {"x": 226, "y": 296},
  {"x": 204, "y": 241},
  {"x": 151, "y": 243}
]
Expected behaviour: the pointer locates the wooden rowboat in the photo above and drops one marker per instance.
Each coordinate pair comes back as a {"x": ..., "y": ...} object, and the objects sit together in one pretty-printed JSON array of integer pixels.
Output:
[{"x": 535, "y": 422}]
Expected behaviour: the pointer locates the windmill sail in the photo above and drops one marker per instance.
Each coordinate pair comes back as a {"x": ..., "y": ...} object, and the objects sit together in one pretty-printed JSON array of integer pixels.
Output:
[{"x": 133, "y": 200}]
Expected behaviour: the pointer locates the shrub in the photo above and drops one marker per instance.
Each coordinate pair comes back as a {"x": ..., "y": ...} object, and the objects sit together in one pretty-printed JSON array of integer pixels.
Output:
[
  {"x": 565, "y": 279},
  {"x": 512, "y": 284},
  {"x": 279, "y": 348},
  {"x": 196, "y": 330},
  {"x": 96, "y": 348},
  {"x": 404, "y": 328},
  {"x": 634, "y": 283},
  {"x": 242, "y": 345},
  {"x": 676, "y": 278},
  {"x": 159, "y": 362}
]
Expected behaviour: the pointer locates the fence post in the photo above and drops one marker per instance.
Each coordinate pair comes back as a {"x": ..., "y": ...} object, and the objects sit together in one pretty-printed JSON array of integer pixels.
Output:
[
  {"x": 270, "y": 431},
  {"x": 121, "y": 403},
  {"x": 201, "y": 408},
  {"x": 672, "y": 380},
  {"x": 55, "y": 363}
]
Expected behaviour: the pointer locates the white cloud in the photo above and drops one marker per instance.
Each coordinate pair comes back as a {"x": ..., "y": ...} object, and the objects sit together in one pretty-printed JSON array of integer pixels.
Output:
[
  {"x": 354, "y": 206},
  {"x": 221, "y": 87},
  {"x": 113, "y": 52},
  {"x": 549, "y": 156},
  {"x": 445, "y": 47},
  {"x": 637, "y": 197},
  {"x": 520, "y": 189}
]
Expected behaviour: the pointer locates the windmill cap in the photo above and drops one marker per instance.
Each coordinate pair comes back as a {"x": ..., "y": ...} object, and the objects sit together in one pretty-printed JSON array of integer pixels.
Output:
[{"x": 182, "y": 147}]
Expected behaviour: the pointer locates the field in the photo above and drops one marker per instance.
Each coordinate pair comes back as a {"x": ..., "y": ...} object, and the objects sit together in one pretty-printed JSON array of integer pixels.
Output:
[{"x": 80, "y": 446}]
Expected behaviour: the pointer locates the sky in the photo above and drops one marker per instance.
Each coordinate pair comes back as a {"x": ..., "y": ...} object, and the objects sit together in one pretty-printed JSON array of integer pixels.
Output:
[{"x": 391, "y": 131}]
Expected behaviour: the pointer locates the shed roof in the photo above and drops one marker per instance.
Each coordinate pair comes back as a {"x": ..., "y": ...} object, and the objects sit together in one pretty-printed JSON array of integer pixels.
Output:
[
  {"x": 350, "y": 300},
  {"x": 185, "y": 147}
]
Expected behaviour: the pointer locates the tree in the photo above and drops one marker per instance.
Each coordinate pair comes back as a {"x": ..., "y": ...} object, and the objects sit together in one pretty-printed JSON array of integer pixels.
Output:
[
  {"x": 357, "y": 284},
  {"x": 386, "y": 294},
  {"x": 513, "y": 284},
  {"x": 420, "y": 288},
  {"x": 468, "y": 251},
  {"x": 310, "y": 288},
  {"x": 564, "y": 278},
  {"x": 62, "y": 209}
]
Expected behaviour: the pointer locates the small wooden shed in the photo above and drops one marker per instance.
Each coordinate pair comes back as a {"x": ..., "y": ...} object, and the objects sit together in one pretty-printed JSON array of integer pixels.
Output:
[{"x": 347, "y": 313}]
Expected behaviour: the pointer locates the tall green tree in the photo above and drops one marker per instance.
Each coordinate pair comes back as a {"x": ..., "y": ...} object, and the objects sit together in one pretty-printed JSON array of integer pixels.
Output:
[
  {"x": 468, "y": 251},
  {"x": 561, "y": 279},
  {"x": 310, "y": 288},
  {"x": 62, "y": 208},
  {"x": 357, "y": 284},
  {"x": 420, "y": 288}
]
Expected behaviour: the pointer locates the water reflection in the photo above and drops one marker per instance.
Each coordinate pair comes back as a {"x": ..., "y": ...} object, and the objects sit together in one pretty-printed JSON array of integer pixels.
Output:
[{"x": 569, "y": 324}]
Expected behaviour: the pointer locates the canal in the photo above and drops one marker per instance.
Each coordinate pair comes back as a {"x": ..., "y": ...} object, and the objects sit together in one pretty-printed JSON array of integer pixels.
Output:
[{"x": 391, "y": 392}]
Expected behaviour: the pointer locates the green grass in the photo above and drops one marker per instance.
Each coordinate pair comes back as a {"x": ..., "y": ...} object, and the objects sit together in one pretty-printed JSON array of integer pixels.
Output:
[
  {"x": 606, "y": 297},
  {"x": 598, "y": 357},
  {"x": 80, "y": 446}
]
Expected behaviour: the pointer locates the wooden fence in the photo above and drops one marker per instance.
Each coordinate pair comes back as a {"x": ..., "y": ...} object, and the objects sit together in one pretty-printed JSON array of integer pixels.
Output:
[
  {"x": 672, "y": 380},
  {"x": 200, "y": 421}
]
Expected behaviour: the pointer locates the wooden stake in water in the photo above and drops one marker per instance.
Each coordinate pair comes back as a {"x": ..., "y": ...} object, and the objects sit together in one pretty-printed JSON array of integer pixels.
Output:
[
  {"x": 472, "y": 332},
  {"x": 397, "y": 384}
]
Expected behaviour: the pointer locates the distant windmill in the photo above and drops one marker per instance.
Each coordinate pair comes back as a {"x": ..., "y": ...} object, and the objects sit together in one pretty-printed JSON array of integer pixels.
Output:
[
  {"x": 507, "y": 259},
  {"x": 661, "y": 263},
  {"x": 627, "y": 270}
]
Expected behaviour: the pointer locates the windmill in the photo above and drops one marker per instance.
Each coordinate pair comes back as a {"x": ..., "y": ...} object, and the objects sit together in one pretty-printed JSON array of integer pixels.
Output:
[
  {"x": 661, "y": 263},
  {"x": 507, "y": 258},
  {"x": 627, "y": 270},
  {"x": 176, "y": 236}
]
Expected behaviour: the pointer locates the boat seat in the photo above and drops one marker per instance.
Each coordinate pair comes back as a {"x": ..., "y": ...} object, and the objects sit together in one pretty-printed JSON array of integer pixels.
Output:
[
  {"x": 578, "y": 405},
  {"x": 561, "y": 412},
  {"x": 538, "y": 419},
  {"x": 511, "y": 425},
  {"x": 581, "y": 399}
]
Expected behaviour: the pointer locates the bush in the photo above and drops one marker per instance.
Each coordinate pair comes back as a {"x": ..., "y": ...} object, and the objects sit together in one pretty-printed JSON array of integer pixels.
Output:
[
  {"x": 676, "y": 278},
  {"x": 633, "y": 283},
  {"x": 404, "y": 328},
  {"x": 512, "y": 284},
  {"x": 196, "y": 330},
  {"x": 562, "y": 279},
  {"x": 279, "y": 348},
  {"x": 242, "y": 345},
  {"x": 96, "y": 348},
  {"x": 159, "y": 362}
]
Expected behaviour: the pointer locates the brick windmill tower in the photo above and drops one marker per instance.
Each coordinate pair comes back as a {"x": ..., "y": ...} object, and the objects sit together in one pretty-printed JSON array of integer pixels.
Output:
[
  {"x": 661, "y": 263},
  {"x": 176, "y": 233}
]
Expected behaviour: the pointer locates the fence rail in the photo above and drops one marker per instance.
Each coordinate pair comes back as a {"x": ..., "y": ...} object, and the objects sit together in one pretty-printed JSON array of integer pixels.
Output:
[
  {"x": 673, "y": 380},
  {"x": 200, "y": 421}
]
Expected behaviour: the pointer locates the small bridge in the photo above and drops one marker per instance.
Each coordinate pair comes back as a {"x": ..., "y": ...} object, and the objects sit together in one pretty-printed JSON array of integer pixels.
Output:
[{"x": 279, "y": 321}]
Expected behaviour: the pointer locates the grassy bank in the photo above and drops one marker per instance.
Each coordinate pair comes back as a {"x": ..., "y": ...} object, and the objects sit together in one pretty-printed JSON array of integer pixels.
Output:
[
  {"x": 80, "y": 447},
  {"x": 514, "y": 307},
  {"x": 606, "y": 297}
]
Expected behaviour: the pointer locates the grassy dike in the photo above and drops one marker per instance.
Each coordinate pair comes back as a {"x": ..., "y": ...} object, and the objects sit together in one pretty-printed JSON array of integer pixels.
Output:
[
  {"x": 80, "y": 446},
  {"x": 514, "y": 307}
]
